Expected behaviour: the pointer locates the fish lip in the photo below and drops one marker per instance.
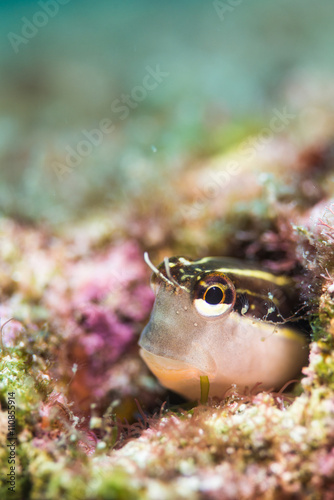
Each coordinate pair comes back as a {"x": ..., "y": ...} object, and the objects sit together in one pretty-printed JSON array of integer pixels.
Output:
[{"x": 168, "y": 365}]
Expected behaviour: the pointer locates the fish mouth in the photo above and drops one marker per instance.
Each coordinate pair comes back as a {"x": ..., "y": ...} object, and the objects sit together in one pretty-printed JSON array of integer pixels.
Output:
[{"x": 168, "y": 370}]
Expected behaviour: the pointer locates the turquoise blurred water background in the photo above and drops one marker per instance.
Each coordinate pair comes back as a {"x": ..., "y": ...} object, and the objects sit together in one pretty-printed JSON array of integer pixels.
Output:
[{"x": 68, "y": 65}]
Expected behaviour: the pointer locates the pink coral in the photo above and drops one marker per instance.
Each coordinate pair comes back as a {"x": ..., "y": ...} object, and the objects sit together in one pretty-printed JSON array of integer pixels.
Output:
[
  {"x": 116, "y": 279},
  {"x": 100, "y": 307},
  {"x": 105, "y": 333}
]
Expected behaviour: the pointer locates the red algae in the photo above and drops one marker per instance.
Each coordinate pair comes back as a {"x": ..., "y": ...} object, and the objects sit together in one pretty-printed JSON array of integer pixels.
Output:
[{"x": 99, "y": 304}]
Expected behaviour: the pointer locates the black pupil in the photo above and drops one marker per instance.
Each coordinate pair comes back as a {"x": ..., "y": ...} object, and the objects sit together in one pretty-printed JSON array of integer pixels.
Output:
[{"x": 214, "y": 295}]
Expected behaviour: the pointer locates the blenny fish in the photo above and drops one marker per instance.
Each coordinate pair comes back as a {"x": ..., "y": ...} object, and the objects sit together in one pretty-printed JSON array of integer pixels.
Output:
[{"x": 223, "y": 319}]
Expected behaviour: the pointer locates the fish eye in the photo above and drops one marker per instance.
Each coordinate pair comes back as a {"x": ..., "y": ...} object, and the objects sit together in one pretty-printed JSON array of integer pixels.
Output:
[{"x": 214, "y": 295}]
